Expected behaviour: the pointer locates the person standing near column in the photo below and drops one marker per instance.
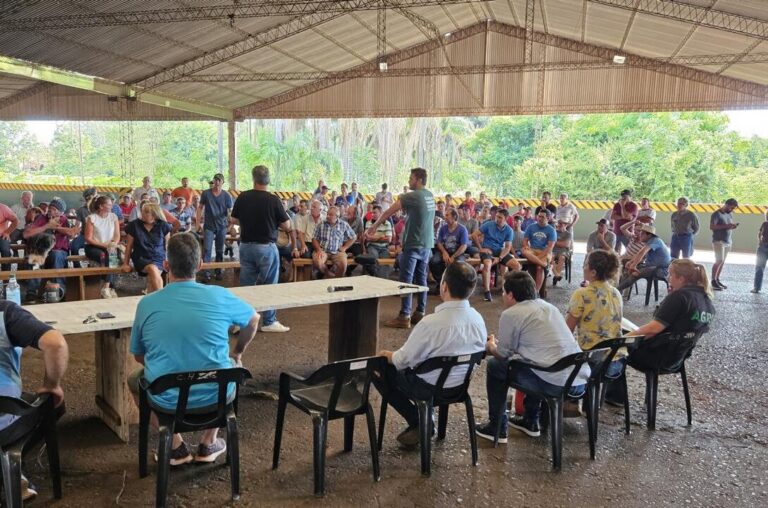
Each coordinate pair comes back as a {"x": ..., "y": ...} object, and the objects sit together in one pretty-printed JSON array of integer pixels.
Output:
[
  {"x": 762, "y": 255},
  {"x": 215, "y": 207},
  {"x": 417, "y": 242},
  {"x": 685, "y": 225},
  {"x": 721, "y": 223},
  {"x": 260, "y": 213}
]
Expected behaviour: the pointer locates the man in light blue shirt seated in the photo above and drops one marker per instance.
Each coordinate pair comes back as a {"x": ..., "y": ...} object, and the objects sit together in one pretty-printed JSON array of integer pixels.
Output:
[
  {"x": 652, "y": 261},
  {"x": 497, "y": 242},
  {"x": 536, "y": 332},
  {"x": 538, "y": 243},
  {"x": 454, "y": 329},
  {"x": 184, "y": 328}
]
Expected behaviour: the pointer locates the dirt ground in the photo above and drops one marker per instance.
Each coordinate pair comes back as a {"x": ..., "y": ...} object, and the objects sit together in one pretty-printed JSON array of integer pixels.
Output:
[{"x": 720, "y": 460}]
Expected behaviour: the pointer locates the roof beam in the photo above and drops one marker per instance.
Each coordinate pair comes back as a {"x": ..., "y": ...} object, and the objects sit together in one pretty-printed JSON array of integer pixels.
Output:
[
  {"x": 228, "y": 12},
  {"x": 689, "y": 13},
  {"x": 48, "y": 74}
]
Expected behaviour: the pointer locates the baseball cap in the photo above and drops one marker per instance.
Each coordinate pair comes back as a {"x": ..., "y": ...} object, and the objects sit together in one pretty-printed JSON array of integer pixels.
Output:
[
  {"x": 602, "y": 221},
  {"x": 218, "y": 176},
  {"x": 626, "y": 192}
]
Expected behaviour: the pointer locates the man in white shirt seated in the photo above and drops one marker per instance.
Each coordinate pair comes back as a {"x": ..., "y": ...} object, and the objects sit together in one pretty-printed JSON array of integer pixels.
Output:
[
  {"x": 536, "y": 332},
  {"x": 454, "y": 329}
]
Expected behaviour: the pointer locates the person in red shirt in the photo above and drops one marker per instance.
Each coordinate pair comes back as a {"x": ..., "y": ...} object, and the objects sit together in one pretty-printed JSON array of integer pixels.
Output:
[
  {"x": 185, "y": 191},
  {"x": 624, "y": 211},
  {"x": 470, "y": 203},
  {"x": 127, "y": 205}
]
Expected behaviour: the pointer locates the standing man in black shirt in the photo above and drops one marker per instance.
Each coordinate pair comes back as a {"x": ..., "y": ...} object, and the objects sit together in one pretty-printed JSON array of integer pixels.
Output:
[{"x": 260, "y": 213}]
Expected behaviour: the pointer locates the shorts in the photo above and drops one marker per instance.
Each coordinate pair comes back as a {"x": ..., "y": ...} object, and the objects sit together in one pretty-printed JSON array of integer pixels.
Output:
[
  {"x": 539, "y": 253},
  {"x": 721, "y": 251},
  {"x": 506, "y": 259},
  {"x": 338, "y": 258}
]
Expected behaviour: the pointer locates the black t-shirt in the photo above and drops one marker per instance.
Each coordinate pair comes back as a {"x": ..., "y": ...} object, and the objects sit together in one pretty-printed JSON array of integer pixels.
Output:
[
  {"x": 552, "y": 209},
  {"x": 260, "y": 213},
  {"x": 688, "y": 309}
]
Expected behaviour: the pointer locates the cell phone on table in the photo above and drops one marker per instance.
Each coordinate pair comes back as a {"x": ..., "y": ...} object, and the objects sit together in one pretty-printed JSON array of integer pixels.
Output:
[{"x": 104, "y": 315}]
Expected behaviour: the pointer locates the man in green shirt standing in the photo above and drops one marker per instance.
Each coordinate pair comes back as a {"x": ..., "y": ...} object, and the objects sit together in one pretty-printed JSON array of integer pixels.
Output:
[{"x": 417, "y": 241}]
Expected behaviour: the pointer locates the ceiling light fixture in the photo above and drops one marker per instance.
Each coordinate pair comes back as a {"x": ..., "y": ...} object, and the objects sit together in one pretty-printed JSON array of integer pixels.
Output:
[{"x": 619, "y": 59}]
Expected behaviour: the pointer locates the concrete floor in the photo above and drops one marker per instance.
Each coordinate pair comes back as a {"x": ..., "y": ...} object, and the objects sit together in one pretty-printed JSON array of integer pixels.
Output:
[{"x": 720, "y": 460}]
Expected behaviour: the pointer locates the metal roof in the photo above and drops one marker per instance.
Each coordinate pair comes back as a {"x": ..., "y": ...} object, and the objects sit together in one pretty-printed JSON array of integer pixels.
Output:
[{"x": 186, "y": 59}]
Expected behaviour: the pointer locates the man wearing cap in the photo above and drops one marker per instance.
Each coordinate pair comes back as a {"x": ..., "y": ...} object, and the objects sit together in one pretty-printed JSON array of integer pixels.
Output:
[
  {"x": 721, "y": 223},
  {"x": 656, "y": 256},
  {"x": 685, "y": 225},
  {"x": 602, "y": 238},
  {"x": 53, "y": 222},
  {"x": 217, "y": 205},
  {"x": 146, "y": 188},
  {"x": 625, "y": 210}
]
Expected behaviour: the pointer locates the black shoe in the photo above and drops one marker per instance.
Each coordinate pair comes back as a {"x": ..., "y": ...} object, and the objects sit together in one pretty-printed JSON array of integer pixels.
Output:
[
  {"x": 525, "y": 426},
  {"x": 614, "y": 402},
  {"x": 722, "y": 286},
  {"x": 205, "y": 277},
  {"x": 219, "y": 275},
  {"x": 555, "y": 280},
  {"x": 488, "y": 297},
  {"x": 487, "y": 432},
  {"x": 717, "y": 286}
]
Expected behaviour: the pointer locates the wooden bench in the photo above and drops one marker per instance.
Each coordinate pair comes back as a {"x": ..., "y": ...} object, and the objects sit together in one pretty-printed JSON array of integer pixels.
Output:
[
  {"x": 19, "y": 261},
  {"x": 85, "y": 283}
]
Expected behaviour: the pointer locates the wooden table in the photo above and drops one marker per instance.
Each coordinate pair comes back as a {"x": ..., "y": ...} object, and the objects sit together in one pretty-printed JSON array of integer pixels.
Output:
[{"x": 353, "y": 330}]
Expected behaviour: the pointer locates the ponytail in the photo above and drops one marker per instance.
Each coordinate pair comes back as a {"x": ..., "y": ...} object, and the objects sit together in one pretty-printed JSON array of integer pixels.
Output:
[{"x": 692, "y": 273}]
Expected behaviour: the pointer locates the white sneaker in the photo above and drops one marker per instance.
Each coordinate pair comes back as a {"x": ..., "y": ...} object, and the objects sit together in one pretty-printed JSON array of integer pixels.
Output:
[
  {"x": 106, "y": 293},
  {"x": 275, "y": 327}
]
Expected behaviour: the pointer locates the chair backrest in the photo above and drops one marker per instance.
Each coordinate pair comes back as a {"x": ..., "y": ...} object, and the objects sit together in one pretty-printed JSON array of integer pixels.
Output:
[
  {"x": 573, "y": 361},
  {"x": 28, "y": 415},
  {"x": 665, "y": 352},
  {"x": 357, "y": 371},
  {"x": 445, "y": 364},
  {"x": 183, "y": 381}
]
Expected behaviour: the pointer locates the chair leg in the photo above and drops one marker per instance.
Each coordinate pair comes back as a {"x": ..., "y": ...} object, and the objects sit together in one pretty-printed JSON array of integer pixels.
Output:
[
  {"x": 425, "y": 438},
  {"x": 652, "y": 386},
  {"x": 471, "y": 424},
  {"x": 144, "y": 414},
  {"x": 556, "y": 431},
  {"x": 319, "y": 436},
  {"x": 11, "y": 466},
  {"x": 52, "y": 447},
  {"x": 373, "y": 442},
  {"x": 625, "y": 389},
  {"x": 349, "y": 432},
  {"x": 382, "y": 419},
  {"x": 656, "y": 289},
  {"x": 589, "y": 403},
  {"x": 687, "y": 394},
  {"x": 499, "y": 417},
  {"x": 442, "y": 421},
  {"x": 165, "y": 440},
  {"x": 281, "y": 405},
  {"x": 648, "y": 287},
  {"x": 233, "y": 452}
]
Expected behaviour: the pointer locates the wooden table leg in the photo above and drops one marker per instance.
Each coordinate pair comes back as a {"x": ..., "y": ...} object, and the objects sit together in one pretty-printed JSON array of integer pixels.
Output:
[
  {"x": 353, "y": 329},
  {"x": 113, "y": 366}
]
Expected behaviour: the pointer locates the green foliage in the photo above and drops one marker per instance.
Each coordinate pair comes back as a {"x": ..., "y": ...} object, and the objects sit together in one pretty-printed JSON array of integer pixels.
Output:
[{"x": 659, "y": 155}]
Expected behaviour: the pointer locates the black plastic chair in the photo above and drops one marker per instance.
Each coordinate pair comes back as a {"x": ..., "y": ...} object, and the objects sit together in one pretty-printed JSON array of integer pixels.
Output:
[
  {"x": 442, "y": 398},
  {"x": 651, "y": 283},
  {"x": 36, "y": 420},
  {"x": 574, "y": 362},
  {"x": 337, "y": 390},
  {"x": 663, "y": 354},
  {"x": 614, "y": 345},
  {"x": 189, "y": 420}
]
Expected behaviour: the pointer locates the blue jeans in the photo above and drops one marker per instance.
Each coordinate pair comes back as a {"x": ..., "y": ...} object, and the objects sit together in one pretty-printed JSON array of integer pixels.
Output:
[
  {"x": 218, "y": 236},
  {"x": 379, "y": 252},
  {"x": 496, "y": 387},
  {"x": 260, "y": 265},
  {"x": 621, "y": 240},
  {"x": 413, "y": 270},
  {"x": 55, "y": 259},
  {"x": 762, "y": 257},
  {"x": 681, "y": 244}
]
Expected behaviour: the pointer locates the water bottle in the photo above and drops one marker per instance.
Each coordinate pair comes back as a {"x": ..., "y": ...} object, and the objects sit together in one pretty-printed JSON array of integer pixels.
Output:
[
  {"x": 113, "y": 261},
  {"x": 13, "y": 291}
]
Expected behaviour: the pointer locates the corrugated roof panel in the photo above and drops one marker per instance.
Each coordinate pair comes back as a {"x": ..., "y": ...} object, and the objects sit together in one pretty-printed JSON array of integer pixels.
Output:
[
  {"x": 653, "y": 36},
  {"x": 708, "y": 41},
  {"x": 750, "y": 72},
  {"x": 564, "y": 18},
  {"x": 605, "y": 25}
]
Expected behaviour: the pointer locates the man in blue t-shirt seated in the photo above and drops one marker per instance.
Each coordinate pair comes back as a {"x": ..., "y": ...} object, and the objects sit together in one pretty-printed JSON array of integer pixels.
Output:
[
  {"x": 652, "y": 260},
  {"x": 184, "y": 328},
  {"x": 539, "y": 241},
  {"x": 497, "y": 242},
  {"x": 452, "y": 242}
]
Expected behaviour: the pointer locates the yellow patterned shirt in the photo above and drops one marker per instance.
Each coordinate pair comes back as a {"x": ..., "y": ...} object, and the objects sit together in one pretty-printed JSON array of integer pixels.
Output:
[{"x": 598, "y": 307}]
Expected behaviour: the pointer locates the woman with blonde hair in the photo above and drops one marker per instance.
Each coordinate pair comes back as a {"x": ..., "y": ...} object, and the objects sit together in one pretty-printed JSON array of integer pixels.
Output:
[
  {"x": 146, "y": 240},
  {"x": 688, "y": 307}
]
